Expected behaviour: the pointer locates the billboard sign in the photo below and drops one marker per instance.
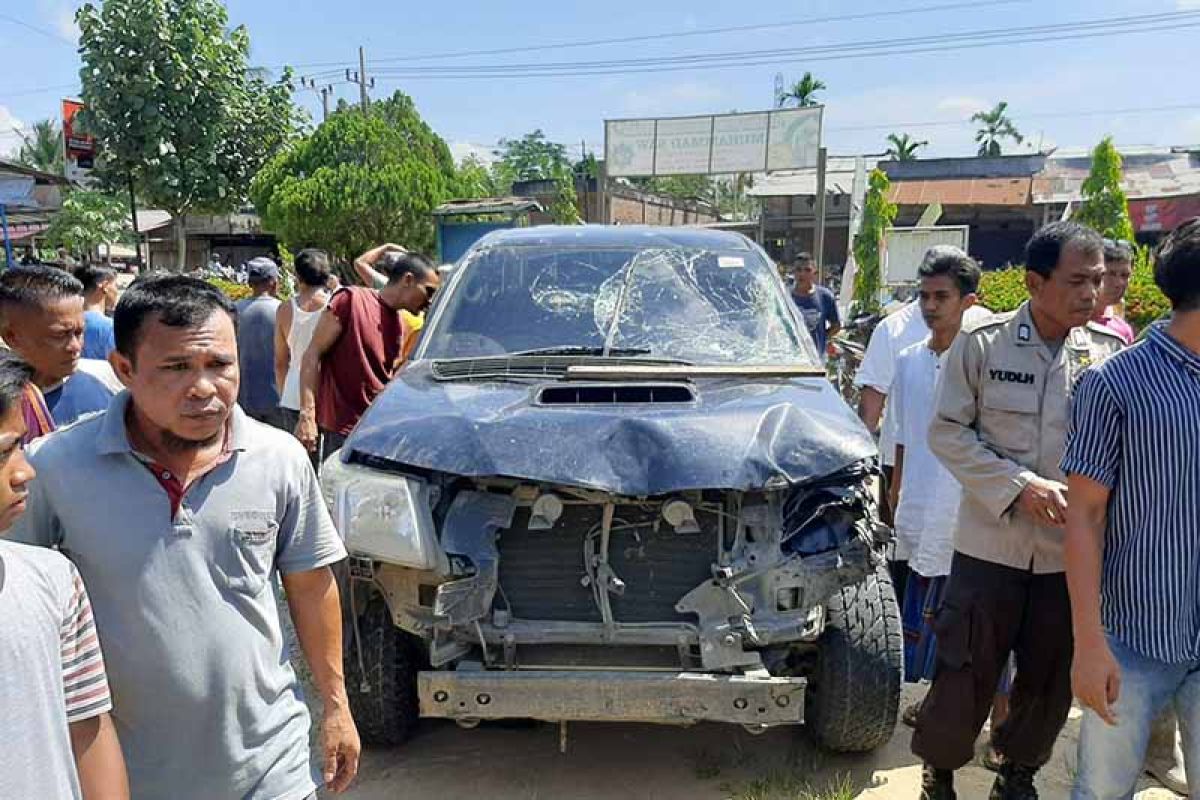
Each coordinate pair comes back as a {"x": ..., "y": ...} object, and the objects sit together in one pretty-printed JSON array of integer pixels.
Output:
[
  {"x": 715, "y": 144},
  {"x": 904, "y": 249},
  {"x": 79, "y": 149}
]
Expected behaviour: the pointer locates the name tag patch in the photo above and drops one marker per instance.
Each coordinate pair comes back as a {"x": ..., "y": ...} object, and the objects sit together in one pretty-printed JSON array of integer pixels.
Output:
[{"x": 1010, "y": 376}]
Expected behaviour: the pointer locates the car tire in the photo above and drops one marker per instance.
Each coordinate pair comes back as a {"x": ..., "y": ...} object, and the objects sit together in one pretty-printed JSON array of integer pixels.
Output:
[
  {"x": 854, "y": 694},
  {"x": 383, "y": 690}
]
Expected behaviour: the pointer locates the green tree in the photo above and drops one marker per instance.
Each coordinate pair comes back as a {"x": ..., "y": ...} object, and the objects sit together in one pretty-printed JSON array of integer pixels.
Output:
[
  {"x": 878, "y": 215},
  {"x": 42, "y": 147},
  {"x": 358, "y": 180},
  {"x": 535, "y": 158},
  {"x": 995, "y": 126},
  {"x": 475, "y": 179},
  {"x": 1105, "y": 207},
  {"x": 902, "y": 147},
  {"x": 802, "y": 93},
  {"x": 87, "y": 219},
  {"x": 173, "y": 106}
]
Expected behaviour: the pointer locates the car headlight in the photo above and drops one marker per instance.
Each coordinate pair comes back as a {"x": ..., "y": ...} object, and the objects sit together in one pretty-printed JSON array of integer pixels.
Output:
[{"x": 382, "y": 516}]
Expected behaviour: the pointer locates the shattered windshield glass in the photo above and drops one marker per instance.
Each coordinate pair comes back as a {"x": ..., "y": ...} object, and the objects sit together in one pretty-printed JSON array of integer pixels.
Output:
[{"x": 695, "y": 305}]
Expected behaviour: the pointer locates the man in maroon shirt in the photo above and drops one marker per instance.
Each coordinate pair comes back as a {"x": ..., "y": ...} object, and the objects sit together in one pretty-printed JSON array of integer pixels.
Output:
[{"x": 357, "y": 345}]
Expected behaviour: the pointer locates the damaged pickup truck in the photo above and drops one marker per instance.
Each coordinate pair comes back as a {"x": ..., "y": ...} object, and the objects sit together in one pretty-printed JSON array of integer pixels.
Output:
[{"x": 614, "y": 484}]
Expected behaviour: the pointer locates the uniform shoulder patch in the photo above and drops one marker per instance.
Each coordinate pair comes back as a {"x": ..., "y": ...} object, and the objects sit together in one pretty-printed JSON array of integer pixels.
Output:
[
  {"x": 990, "y": 322},
  {"x": 1104, "y": 332}
]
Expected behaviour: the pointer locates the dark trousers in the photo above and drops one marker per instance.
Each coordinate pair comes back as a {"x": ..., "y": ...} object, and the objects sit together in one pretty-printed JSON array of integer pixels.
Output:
[
  {"x": 988, "y": 612},
  {"x": 290, "y": 419}
]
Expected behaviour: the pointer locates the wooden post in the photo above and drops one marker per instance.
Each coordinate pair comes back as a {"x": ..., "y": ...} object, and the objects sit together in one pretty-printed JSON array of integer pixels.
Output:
[{"x": 819, "y": 232}]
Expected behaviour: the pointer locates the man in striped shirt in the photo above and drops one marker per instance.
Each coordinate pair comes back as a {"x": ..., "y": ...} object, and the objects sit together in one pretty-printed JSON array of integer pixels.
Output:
[
  {"x": 58, "y": 739},
  {"x": 1133, "y": 536}
]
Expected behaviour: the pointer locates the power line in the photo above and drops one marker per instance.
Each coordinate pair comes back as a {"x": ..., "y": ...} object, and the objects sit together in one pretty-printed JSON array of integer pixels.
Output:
[
  {"x": 36, "y": 29},
  {"x": 682, "y": 34},
  {"x": 1093, "y": 112},
  {"x": 944, "y": 43},
  {"x": 40, "y": 90}
]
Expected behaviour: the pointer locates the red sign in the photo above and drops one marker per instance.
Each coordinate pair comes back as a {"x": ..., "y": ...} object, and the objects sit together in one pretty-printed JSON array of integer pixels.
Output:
[
  {"x": 79, "y": 146},
  {"x": 1163, "y": 213}
]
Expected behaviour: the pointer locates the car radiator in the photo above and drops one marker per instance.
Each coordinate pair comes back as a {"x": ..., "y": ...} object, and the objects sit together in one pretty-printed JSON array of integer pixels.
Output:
[{"x": 543, "y": 573}]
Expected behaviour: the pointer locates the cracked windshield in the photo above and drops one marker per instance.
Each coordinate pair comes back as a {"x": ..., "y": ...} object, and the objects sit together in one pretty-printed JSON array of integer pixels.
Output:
[{"x": 690, "y": 305}]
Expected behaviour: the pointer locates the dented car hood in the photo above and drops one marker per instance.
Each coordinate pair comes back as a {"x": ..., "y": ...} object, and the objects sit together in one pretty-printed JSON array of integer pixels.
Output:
[{"x": 739, "y": 434}]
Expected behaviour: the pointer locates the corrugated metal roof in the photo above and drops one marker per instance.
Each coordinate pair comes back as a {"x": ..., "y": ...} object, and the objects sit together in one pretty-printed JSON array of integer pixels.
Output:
[
  {"x": 1158, "y": 172},
  {"x": 488, "y": 205},
  {"x": 839, "y": 179},
  {"x": 962, "y": 192}
]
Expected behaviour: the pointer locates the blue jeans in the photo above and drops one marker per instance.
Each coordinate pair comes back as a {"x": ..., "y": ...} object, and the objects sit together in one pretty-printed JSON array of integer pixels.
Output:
[{"x": 1111, "y": 757}]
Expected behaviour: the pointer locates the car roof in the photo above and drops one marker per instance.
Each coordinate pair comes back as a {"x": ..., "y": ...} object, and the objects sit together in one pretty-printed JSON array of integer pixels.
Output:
[{"x": 618, "y": 236}]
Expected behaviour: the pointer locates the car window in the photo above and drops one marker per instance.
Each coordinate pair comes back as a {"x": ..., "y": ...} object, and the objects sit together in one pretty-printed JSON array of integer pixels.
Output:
[{"x": 701, "y": 306}]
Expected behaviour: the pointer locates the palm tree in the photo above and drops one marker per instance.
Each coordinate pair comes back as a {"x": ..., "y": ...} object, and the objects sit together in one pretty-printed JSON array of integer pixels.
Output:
[
  {"x": 902, "y": 147},
  {"x": 42, "y": 147},
  {"x": 803, "y": 92},
  {"x": 995, "y": 126}
]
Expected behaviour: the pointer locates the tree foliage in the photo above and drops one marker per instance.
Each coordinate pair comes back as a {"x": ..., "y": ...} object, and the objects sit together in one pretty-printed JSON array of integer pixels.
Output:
[
  {"x": 902, "y": 147},
  {"x": 42, "y": 147},
  {"x": 173, "y": 105},
  {"x": 533, "y": 157},
  {"x": 878, "y": 215},
  {"x": 87, "y": 219},
  {"x": 1105, "y": 207},
  {"x": 995, "y": 127},
  {"x": 357, "y": 181},
  {"x": 802, "y": 93}
]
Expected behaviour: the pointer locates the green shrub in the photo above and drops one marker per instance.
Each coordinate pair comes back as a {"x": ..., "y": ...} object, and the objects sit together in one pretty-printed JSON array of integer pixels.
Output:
[
  {"x": 1003, "y": 290},
  {"x": 1144, "y": 302},
  {"x": 232, "y": 290}
]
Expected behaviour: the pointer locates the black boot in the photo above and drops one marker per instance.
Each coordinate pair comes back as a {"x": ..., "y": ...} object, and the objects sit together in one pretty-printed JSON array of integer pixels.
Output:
[
  {"x": 1014, "y": 782},
  {"x": 937, "y": 784}
]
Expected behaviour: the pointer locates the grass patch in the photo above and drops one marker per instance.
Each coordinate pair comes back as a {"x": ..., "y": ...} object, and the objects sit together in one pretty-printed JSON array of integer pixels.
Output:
[{"x": 793, "y": 786}]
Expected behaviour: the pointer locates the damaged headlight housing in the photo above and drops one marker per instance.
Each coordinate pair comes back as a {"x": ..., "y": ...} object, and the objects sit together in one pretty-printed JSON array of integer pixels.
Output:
[{"x": 381, "y": 516}]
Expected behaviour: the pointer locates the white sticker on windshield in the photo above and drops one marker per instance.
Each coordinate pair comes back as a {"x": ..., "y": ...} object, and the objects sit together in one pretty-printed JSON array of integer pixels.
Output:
[{"x": 731, "y": 262}]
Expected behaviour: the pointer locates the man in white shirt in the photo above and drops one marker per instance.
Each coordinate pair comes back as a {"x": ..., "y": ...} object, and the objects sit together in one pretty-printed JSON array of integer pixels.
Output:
[
  {"x": 892, "y": 335},
  {"x": 924, "y": 494}
]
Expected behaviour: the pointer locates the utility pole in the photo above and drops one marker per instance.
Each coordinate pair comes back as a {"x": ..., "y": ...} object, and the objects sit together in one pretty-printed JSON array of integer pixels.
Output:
[
  {"x": 360, "y": 78},
  {"x": 819, "y": 231},
  {"x": 325, "y": 91}
]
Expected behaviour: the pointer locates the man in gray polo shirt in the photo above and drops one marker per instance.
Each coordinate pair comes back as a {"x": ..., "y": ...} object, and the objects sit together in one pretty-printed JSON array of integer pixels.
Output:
[{"x": 180, "y": 512}]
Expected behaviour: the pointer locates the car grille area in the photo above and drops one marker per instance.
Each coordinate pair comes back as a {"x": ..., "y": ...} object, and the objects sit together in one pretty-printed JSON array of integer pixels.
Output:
[{"x": 543, "y": 573}]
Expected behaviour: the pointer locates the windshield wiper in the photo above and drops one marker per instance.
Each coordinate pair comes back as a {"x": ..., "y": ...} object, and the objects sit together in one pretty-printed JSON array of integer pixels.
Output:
[{"x": 584, "y": 350}]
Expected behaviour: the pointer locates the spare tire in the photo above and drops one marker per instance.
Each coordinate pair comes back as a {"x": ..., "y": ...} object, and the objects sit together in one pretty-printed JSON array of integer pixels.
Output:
[
  {"x": 854, "y": 691},
  {"x": 383, "y": 690}
]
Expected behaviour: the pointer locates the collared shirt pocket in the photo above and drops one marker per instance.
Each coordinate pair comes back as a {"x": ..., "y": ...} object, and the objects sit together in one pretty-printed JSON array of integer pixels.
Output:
[
  {"x": 247, "y": 553},
  {"x": 1008, "y": 419}
]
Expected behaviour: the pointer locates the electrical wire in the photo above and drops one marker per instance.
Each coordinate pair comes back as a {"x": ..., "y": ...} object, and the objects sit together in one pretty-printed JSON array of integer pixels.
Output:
[
  {"x": 777, "y": 61},
  {"x": 36, "y": 29},
  {"x": 675, "y": 34}
]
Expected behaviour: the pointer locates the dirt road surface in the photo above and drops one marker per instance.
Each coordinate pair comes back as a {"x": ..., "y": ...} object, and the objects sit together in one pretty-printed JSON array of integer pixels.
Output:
[{"x": 521, "y": 761}]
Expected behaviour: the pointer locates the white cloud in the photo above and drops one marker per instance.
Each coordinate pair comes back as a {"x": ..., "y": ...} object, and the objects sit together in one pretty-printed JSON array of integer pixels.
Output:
[
  {"x": 462, "y": 149},
  {"x": 10, "y": 140},
  {"x": 962, "y": 105},
  {"x": 1187, "y": 5},
  {"x": 688, "y": 97},
  {"x": 61, "y": 18}
]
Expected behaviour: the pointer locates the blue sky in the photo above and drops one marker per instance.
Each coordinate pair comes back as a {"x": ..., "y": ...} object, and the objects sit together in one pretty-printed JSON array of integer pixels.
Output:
[{"x": 1044, "y": 83}]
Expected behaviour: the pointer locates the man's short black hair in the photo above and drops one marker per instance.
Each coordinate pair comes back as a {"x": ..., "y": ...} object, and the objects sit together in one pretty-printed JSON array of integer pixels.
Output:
[
  {"x": 954, "y": 263},
  {"x": 176, "y": 300},
  {"x": 36, "y": 286},
  {"x": 1177, "y": 266},
  {"x": 312, "y": 266},
  {"x": 1117, "y": 250},
  {"x": 395, "y": 265},
  {"x": 802, "y": 260},
  {"x": 93, "y": 275},
  {"x": 1045, "y": 249},
  {"x": 15, "y": 373}
]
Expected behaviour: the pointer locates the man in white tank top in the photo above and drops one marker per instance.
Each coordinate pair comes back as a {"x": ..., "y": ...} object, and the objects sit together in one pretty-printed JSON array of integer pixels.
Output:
[{"x": 294, "y": 325}]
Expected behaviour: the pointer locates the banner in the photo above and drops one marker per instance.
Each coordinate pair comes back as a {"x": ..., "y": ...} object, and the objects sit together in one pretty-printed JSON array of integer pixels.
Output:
[
  {"x": 713, "y": 145},
  {"x": 79, "y": 149}
]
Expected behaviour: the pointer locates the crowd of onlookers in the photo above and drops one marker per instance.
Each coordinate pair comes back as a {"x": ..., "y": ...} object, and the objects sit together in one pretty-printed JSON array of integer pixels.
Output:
[
  {"x": 158, "y": 446},
  {"x": 1041, "y": 477}
]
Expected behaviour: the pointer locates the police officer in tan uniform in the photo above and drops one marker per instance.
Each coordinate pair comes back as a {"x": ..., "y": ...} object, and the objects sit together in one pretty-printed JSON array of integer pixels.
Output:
[{"x": 1000, "y": 428}]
